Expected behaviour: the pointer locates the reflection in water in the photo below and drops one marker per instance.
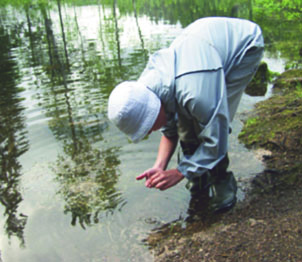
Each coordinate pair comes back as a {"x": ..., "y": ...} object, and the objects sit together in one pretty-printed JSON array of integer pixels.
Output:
[
  {"x": 63, "y": 32},
  {"x": 139, "y": 31},
  {"x": 13, "y": 142},
  {"x": 86, "y": 176},
  {"x": 116, "y": 33},
  {"x": 174, "y": 10},
  {"x": 87, "y": 183}
]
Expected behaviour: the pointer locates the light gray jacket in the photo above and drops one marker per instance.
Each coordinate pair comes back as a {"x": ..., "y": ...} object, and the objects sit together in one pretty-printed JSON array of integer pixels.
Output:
[{"x": 200, "y": 79}]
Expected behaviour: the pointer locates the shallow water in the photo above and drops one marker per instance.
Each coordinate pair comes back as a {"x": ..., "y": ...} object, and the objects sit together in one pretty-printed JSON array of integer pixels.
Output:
[{"x": 68, "y": 179}]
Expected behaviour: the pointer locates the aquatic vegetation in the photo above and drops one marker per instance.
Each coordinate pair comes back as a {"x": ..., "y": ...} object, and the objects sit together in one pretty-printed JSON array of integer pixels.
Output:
[{"x": 87, "y": 184}]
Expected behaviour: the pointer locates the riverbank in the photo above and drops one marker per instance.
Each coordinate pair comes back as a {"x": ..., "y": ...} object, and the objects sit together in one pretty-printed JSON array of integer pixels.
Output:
[{"x": 267, "y": 224}]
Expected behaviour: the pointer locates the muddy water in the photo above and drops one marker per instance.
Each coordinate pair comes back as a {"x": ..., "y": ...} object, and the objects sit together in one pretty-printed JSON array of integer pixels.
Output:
[{"x": 68, "y": 179}]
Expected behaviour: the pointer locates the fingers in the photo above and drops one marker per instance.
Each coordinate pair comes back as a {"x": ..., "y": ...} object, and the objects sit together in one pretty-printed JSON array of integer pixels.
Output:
[
  {"x": 163, "y": 183},
  {"x": 141, "y": 176},
  {"x": 156, "y": 180},
  {"x": 150, "y": 180},
  {"x": 147, "y": 173},
  {"x": 162, "y": 186},
  {"x": 148, "y": 184},
  {"x": 164, "y": 180}
]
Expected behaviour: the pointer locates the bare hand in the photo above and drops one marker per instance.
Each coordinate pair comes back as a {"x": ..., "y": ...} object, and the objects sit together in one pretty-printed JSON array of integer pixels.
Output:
[
  {"x": 149, "y": 173},
  {"x": 160, "y": 179}
]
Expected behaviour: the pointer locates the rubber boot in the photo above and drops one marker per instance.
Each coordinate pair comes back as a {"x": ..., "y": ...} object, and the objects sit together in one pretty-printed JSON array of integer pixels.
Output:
[
  {"x": 199, "y": 185},
  {"x": 223, "y": 189}
]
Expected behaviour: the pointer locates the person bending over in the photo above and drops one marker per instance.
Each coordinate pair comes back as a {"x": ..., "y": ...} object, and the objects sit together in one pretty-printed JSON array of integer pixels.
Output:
[{"x": 191, "y": 91}]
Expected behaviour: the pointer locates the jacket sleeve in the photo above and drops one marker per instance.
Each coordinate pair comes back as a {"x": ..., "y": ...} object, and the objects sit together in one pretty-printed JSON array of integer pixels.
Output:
[
  {"x": 170, "y": 129},
  {"x": 202, "y": 97}
]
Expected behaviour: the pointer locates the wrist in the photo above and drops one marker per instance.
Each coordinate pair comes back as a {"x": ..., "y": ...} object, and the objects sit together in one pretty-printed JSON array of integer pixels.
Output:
[
  {"x": 160, "y": 164},
  {"x": 179, "y": 173}
]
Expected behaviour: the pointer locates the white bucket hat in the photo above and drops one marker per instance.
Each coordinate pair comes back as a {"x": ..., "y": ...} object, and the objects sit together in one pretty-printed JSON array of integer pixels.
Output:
[{"x": 133, "y": 108}]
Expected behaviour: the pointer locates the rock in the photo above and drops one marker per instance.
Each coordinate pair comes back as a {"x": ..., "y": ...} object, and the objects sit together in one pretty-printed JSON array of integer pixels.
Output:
[
  {"x": 253, "y": 222},
  {"x": 258, "y": 85},
  {"x": 261, "y": 153}
]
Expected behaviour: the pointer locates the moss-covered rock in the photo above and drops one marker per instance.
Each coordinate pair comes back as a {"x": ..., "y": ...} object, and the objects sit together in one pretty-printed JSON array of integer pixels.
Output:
[
  {"x": 277, "y": 119},
  {"x": 277, "y": 126},
  {"x": 258, "y": 85}
]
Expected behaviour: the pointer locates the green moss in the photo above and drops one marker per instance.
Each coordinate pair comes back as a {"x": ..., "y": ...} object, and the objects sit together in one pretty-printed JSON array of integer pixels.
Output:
[
  {"x": 252, "y": 122},
  {"x": 289, "y": 79},
  {"x": 299, "y": 90},
  {"x": 277, "y": 117}
]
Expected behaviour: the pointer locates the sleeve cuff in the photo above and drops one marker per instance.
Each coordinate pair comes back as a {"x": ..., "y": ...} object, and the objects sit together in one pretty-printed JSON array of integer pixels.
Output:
[{"x": 187, "y": 173}]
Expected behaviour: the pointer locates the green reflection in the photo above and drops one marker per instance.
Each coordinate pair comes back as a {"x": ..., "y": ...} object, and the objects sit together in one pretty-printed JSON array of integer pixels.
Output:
[
  {"x": 13, "y": 138},
  {"x": 87, "y": 175},
  {"x": 87, "y": 183}
]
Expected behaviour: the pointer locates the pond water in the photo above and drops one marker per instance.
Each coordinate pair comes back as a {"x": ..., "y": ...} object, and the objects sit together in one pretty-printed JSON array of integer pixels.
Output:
[{"x": 68, "y": 188}]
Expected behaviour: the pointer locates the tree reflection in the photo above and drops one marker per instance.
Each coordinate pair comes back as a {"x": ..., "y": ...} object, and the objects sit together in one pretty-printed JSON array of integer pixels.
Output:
[
  {"x": 139, "y": 30},
  {"x": 173, "y": 11},
  {"x": 87, "y": 183},
  {"x": 63, "y": 31},
  {"x": 117, "y": 33},
  {"x": 13, "y": 141},
  {"x": 87, "y": 176}
]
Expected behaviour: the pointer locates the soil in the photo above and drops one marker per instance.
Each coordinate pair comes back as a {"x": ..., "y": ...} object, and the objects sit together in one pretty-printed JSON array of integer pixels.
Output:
[{"x": 267, "y": 224}]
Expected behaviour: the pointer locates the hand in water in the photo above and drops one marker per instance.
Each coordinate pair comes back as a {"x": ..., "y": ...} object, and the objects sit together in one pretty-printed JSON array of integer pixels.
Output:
[{"x": 160, "y": 179}]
